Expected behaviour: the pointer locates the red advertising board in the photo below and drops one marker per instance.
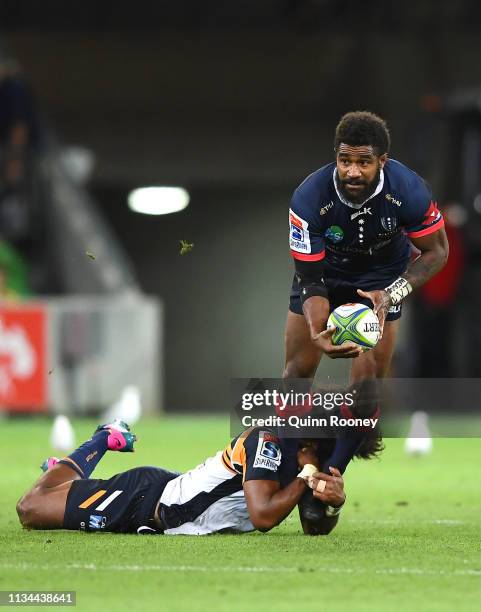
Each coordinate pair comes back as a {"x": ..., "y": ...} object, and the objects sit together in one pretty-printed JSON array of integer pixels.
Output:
[{"x": 23, "y": 359}]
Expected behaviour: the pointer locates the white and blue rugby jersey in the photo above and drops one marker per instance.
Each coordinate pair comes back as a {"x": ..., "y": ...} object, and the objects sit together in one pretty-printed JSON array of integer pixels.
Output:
[{"x": 210, "y": 498}]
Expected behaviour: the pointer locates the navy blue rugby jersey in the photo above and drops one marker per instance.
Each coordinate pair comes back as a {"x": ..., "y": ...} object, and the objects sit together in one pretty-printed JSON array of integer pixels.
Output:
[{"x": 363, "y": 245}]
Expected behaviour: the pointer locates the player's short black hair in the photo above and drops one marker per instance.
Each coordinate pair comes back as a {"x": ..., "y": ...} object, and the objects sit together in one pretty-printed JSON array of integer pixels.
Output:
[
  {"x": 363, "y": 128},
  {"x": 372, "y": 446}
]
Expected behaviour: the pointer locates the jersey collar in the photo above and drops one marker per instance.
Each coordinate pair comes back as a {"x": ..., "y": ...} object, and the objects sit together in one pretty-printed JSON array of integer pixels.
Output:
[{"x": 378, "y": 189}]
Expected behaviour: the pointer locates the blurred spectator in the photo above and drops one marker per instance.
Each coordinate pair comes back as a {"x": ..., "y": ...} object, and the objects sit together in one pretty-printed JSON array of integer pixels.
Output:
[
  {"x": 19, "y": 138},
  {"x": 435, "y": 315}
]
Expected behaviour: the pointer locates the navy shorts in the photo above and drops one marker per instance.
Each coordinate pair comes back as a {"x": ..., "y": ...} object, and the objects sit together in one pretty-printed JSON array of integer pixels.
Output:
[
  {"x": 124, "y": 504},
  {"x": 338, "y": 296}
]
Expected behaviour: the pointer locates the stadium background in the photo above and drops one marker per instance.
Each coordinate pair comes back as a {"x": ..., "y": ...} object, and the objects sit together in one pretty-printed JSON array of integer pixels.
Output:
[{"x": 237, "y": 103}]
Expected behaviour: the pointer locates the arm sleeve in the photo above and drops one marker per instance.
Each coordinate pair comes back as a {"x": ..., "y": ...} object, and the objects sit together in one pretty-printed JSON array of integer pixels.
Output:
[
  {"x": 423, "y": 216},
  {"x": 305, "y": 234},
  {"x": 262, "y": 456},
  {"x": 307, "y": 248}
]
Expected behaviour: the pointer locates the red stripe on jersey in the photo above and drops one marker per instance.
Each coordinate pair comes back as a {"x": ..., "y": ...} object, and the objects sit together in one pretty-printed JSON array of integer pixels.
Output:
[
  {"x": 302, "y": 257},
  {"x": 429, "y": 230}
]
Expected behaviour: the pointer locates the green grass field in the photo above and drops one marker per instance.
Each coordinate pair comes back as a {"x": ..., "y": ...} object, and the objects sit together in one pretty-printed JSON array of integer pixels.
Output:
[{"x": 409, "y": 536}]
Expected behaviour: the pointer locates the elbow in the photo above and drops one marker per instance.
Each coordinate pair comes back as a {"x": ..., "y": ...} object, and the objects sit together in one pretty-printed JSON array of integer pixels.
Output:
[
  {"x": 262, "y": 522},
  {"x": 443, "y": 253}
]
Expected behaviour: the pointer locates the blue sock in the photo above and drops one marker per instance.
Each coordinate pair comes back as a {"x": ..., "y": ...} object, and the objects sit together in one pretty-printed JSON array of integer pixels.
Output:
[{"x": 89, "y": 454}]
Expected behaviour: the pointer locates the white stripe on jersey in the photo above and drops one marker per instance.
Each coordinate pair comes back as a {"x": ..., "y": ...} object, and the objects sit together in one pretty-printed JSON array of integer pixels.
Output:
[
  {"x": 202, "y": 479},
  {"x": 226, "y": 514},
  {"x": 109, "y": 500}
]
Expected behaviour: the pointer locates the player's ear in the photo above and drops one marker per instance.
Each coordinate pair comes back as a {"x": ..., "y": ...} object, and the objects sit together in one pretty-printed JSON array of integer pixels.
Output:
[{"x": 383, "y": 159}]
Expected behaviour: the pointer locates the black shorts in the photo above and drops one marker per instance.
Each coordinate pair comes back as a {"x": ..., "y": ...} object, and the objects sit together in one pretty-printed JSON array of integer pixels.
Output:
[
  {"x": 124, "y": 504},
  {"x": 337, "y": 297}
]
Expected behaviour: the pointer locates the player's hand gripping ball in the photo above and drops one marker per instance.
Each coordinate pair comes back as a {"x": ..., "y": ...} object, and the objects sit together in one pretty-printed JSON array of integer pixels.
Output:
[{"x": 354, "y": 323}]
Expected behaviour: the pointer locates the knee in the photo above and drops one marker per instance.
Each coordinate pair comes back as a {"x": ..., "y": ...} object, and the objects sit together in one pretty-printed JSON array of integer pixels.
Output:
[
  {"x": 297, "y": 369},
  {"x": 290, "y": 371}
]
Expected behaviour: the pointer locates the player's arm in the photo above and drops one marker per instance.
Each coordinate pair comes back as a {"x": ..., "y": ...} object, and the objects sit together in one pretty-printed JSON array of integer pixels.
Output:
[
  {"x": 307, "y": 250},
  {"x": 429, "y": 236},
  {"x": 329, "y": 489},
  {"x": 315, "y": 306},
  {"x": 434, "y": 255},
  {"x": 268, "y": 504}
]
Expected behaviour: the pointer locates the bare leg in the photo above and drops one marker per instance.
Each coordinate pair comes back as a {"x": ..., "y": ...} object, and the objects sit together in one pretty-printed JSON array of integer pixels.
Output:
[
  {"x": 43, "y": 506},
  {"x": 302, "y": 356},
  {"x": 372, "y": 365},
  {"x": 376, "y": 363}
]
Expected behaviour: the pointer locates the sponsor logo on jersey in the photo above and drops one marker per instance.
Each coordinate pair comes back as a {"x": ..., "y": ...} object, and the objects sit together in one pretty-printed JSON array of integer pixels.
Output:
[
  {"x": 268, "y": 453},
  {"x": 335, "y": 233},
  {"x": 389, "y": 223},
  {"x": 96, "y": 521},
  {"x": 325, "y": 208},
  {"x": 392, "y": 199},
  {"x": 299, "y": 239},
  {"x": 394, "y": 309},
  {"x": 365, "y": 211}
]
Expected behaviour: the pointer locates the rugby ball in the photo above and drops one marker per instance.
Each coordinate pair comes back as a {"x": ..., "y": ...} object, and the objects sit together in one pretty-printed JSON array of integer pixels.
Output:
[{"x": 354, "y": 323}]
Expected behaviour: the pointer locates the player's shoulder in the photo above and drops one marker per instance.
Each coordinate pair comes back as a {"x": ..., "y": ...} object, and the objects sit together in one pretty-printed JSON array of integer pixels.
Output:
[
  {"x": 311, "y": 193},
  {"x": 317, "y": 181},
  {"x": 404, "y": 182},
  {"x": 254, "y": 434}
]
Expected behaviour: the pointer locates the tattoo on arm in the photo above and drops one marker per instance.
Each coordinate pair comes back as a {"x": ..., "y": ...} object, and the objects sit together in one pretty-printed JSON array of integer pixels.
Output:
[
  {"x": 434, "y": 254},
  {"x": 424, "y": 268}
]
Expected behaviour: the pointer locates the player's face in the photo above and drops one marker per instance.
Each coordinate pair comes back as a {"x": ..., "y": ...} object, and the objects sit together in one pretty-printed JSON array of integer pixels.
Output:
[{"x": 358, "y": 169}]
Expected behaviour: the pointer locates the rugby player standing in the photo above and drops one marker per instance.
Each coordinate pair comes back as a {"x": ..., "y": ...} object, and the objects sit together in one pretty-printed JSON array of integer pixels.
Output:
[{"x": 352, "y": 226}]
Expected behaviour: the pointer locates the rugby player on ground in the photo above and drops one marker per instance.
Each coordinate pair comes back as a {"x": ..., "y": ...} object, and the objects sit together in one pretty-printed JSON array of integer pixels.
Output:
[
  {"x": 237, "y": 490},
  {"x": 352, "y": 227}
]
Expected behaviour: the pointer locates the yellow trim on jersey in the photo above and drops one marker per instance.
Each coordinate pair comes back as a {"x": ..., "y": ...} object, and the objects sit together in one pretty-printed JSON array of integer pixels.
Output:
[
  {"x": 238, "y": 456},
  {"x": 93, "y": 498},
  {"x": 226, "y": 462}
]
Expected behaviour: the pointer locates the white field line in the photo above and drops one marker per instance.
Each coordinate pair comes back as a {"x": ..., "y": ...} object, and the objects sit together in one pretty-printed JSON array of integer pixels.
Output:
[
  {"x": 246, "y": 569},
  {"x": 407, "y": 520}
]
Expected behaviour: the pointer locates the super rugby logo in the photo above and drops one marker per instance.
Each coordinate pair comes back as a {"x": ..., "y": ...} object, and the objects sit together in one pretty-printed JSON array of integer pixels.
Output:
[
  {"x": 268, "y": 453},
  {"x": 299, "y": 239}
]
